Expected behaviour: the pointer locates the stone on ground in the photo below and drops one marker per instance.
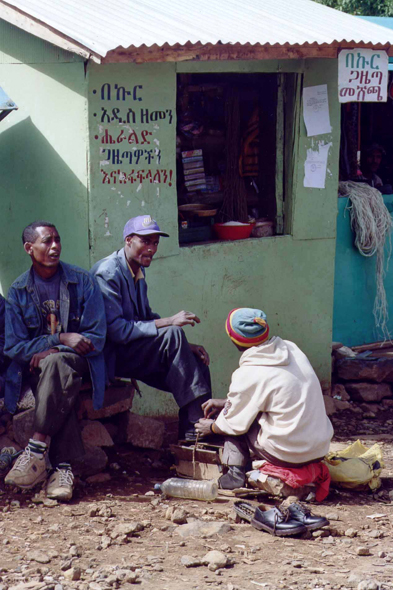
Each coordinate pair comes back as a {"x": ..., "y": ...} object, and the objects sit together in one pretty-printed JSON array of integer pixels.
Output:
[
  {"x": 93, "y": 461},
  {"x": 377, "y": 370},
  {"x": 179, "y": 516},
  {"x": 368, "y": 585},
  {"x": 95, "y": 434},
  {"x": 330, "y": 406},
  {"x": 140, "y": 431},
  {"x": 368, "y": 392},
  {"x": 215, "y": 560},
  {"x": 117, "y": 400},
  {"x": 189, "y": 561},
  {"x": 23, "y": 426},
  {"x": 199, "y": 527}
]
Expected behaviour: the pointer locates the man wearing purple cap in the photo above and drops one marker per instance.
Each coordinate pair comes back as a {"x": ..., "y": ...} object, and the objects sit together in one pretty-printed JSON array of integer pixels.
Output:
[{"x": 141, "y": 344}]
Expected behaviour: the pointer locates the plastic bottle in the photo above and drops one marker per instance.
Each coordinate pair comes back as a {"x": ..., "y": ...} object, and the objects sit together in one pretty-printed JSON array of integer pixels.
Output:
[{"x": 189, "y": 488}]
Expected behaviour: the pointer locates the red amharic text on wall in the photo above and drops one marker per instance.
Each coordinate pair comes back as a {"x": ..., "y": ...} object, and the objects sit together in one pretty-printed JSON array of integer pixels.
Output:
[{"x": 137, "y": 176}]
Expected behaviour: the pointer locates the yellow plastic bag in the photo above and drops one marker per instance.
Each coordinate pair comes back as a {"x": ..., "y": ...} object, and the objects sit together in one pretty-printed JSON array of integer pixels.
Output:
[{"x": 356, "y": 467}]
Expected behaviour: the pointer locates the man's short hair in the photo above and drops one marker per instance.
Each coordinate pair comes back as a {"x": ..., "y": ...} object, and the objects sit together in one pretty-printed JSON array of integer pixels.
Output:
[{"x": 30, "y": 234}]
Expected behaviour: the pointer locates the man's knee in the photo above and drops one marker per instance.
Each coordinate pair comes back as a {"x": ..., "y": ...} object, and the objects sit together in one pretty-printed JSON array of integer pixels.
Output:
[
  {"x": 235, "y": 451},
  {"x": 175, "y": 334},
  {"x": 52, "y": 360},
  {"x": 61, "y": 365},
  {"x": 57, "y": 359}
]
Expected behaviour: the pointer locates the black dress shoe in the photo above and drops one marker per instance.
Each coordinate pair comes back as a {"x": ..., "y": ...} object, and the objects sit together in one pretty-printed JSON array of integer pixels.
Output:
[
  {"x": 277, "y": 523},
  {"x": 312, "y": 522}
]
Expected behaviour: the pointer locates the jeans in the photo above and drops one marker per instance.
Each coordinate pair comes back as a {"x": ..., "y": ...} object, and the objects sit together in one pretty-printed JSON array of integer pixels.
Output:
[{"x": 56, "y": 388}]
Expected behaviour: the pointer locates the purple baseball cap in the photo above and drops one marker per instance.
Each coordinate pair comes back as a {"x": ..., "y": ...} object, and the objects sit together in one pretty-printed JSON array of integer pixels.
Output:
[{"x": 143, "y": 225}]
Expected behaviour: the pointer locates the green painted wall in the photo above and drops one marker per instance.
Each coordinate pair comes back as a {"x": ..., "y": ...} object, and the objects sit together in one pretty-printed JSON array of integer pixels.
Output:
[
  {"x": 43, "y": 148},
  {"x": 53, "y": 163},
  {"x": 290, "y": 277}
]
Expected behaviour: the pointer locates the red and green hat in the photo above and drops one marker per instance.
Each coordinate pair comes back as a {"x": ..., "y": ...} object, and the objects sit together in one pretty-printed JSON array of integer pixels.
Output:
[{"x": 247, "y": 327}]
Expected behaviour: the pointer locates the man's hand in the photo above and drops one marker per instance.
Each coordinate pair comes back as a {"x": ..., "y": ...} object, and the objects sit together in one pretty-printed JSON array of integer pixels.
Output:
[
  {"x": 183, "y": 318},
  {"x": 201, "y": 353},
  {"x": 78, "y": 342},
  {"x": 203, "y": 427},
  {"x": 35, "y": 361},
  {"x": 213, "y": 407}
]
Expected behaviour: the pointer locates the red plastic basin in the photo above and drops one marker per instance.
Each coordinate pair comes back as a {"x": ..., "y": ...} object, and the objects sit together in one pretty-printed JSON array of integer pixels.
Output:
[{"x": 232, "y": 232}]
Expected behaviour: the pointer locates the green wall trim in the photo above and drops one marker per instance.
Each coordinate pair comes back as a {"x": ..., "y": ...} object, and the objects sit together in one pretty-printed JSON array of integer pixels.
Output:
[
  {"x": 263, "y": 66},
  {"x": 315, "y": 210}
]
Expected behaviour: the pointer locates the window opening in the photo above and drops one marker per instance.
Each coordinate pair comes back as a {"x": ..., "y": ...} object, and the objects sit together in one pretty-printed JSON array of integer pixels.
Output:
[{"x": 230, "y": 136}]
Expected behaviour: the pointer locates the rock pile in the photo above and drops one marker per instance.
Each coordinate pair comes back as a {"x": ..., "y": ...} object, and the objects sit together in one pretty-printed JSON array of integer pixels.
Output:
[
  {"x": 114, "y": 423},
  {"x": 362, "y": 382}
]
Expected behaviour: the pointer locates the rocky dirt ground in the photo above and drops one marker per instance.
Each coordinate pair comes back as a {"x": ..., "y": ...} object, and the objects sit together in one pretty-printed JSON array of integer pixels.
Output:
[{"x": 119, "y": 533}]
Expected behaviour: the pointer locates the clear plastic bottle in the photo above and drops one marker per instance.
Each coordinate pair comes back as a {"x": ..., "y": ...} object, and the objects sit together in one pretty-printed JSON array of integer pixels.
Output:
[{"x": 190, "y": 488}]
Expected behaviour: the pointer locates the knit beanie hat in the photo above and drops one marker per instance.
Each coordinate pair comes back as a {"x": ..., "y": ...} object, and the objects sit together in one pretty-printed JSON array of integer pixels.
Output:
[{"x": 247, "y": 327}]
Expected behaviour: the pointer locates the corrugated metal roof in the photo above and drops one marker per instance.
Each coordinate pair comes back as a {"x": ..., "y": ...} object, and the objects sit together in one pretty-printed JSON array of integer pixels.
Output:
[{"x": 102, "y": 25}]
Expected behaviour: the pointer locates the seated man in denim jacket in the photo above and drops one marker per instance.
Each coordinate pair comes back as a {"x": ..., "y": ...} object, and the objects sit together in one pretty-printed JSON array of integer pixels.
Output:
[
  {"x": 141, "y": 344},
  {"x": 55, "y": 333},
  {"x": 3, "y": 359}
]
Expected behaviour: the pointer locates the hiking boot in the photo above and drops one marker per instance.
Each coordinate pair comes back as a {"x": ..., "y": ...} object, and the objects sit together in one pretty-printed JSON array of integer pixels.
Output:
[
  {"x": 28, "y": 470},
  {"x": 61, "y": 483},
  {"x": 312, "y": 522}
]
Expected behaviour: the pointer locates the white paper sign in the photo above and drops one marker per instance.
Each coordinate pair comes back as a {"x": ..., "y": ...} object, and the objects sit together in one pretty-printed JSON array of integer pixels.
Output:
[
  {"x": 362, "y": 75},
  {"x": 316, "y": 110},
  {"x": 315, "y": 167}
]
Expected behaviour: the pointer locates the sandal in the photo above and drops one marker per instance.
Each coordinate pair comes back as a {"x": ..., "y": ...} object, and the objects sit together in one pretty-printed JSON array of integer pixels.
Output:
[{"x": 245, "y": 510}]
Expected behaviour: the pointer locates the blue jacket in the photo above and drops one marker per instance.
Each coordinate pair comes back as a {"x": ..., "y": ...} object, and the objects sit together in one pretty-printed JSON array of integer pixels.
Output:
[
  {"x": 81, "y": 310},
  {"x": 127, "y": 308},
  {"x": 3, "y": 360}
]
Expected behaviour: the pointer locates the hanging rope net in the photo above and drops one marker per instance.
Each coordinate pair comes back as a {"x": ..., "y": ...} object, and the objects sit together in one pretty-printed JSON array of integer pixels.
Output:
[{"x": 372, "y": 224}]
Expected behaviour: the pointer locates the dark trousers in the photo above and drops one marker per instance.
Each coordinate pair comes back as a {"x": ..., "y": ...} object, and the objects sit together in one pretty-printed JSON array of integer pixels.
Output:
[
  {"x": 56, "y": 387},
  {"x": 238, "y": 449},
  {"x": 166, "y": 362}
]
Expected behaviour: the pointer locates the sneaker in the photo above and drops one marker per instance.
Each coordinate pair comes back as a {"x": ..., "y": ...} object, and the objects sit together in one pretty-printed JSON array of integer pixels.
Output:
[
  {"x": 7, "y": 457},
  {"x": 28, "y": 470},
  {"x": 60, "y": 484}
]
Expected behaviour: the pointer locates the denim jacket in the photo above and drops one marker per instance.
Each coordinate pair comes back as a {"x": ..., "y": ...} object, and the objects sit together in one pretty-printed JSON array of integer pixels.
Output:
[
  {"x": 3, "y": 360},
  {"x": 128, "y": 313},
  {"x": 81, "y": 310}
]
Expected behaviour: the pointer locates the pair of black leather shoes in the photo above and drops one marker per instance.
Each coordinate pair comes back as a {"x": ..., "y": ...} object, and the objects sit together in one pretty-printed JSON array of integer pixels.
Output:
[
  {"x": 294, "y": 521},
  {"x": 312, "y": 522}
]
